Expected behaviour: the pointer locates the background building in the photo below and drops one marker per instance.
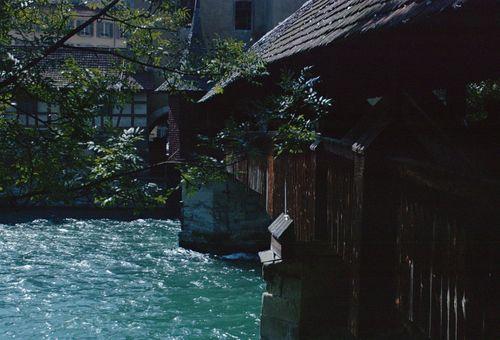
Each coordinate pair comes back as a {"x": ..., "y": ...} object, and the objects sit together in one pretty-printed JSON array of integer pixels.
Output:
[
  {"x": 245, "y": 20},
  {"x": 154, "y": 108},
  {"x": 103, "y": 33}
]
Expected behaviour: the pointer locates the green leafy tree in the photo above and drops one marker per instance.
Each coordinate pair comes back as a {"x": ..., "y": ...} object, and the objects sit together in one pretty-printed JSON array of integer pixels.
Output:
[
  {"x": 283, "y": 123},
  {"x": 69, "y": 157},
  {"x": 483, "y": 100}
]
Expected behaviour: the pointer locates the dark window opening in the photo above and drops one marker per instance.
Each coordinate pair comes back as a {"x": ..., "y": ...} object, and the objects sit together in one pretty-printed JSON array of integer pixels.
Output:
[
  {"x": 87, "y": 30},
  {"x": 243, "y": 15},
  {"x": 105, "y": 29}
]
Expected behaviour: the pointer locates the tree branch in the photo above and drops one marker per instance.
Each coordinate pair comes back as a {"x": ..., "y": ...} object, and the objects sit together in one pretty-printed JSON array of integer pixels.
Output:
[
  {"x": 131, "y": 59},
  {"x": 89, "y": 185},
  {"x": 53, "y": 48}
]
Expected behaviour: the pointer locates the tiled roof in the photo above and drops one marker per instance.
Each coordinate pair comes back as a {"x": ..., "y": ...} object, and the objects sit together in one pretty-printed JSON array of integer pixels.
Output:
[
  {"x": 321, "y": 23},
  {"x": 184, "y": 83},
  {"x": 194, "y": 48},
  {"x": 95, "y": 58}
]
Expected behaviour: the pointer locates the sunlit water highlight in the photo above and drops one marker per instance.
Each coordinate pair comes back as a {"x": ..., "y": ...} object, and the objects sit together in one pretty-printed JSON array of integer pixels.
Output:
[{"x": 113, "y": 280}]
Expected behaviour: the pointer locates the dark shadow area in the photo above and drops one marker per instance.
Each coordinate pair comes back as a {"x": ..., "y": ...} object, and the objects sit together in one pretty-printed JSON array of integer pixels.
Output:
[{"x": 23, "y": 215}]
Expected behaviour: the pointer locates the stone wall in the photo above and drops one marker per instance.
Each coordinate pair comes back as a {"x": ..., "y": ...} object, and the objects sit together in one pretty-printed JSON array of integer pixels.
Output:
[
  {"x": 224, "y": 218},
  {"x": 304, "y": 300}
]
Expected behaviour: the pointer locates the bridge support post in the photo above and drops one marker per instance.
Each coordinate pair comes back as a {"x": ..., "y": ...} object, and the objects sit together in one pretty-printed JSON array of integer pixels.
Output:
[
  {"x": 224, "y": 218},
  {"x": 305, "y": 299}
]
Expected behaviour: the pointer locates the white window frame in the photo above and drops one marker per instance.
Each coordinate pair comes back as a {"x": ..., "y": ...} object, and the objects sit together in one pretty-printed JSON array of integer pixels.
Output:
[
  {"x": 52, "y": 111},
  {"x": 117, "y": 115},
  {"x": 11, "y": 111},
  {"x": 88, "y": 31},
  {"x": 105, "y": 29}
]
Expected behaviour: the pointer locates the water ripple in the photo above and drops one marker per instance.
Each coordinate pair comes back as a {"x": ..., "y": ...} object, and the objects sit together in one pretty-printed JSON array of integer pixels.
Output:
[{"x": 105, "y": 279}]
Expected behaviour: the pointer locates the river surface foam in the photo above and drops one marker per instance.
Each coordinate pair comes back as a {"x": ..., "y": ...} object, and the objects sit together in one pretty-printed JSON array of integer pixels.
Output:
[{"x": 103, "y": 278}]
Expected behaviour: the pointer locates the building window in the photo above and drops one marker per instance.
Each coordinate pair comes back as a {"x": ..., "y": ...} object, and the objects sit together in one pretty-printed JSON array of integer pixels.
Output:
[
  {"x": 45, "y": 113},
  {"x": 88, "y": 31},
  {"x": 243, "y": 15},
  {"x": 140, "y": 107},
  {"x": 132, "y": 114},
  {"x": 11, "y": 111},
  {"x": 105, "y": 29}
]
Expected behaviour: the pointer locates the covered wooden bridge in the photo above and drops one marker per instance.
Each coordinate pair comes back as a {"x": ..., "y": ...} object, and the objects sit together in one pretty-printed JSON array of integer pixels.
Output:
[{"x": 388, "y": 226}]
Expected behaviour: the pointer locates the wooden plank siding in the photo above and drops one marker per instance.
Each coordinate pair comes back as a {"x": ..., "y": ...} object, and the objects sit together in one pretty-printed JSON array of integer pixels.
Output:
[
  {"x": 267, "y": 176},
  {"x": 423, "y": 257},
  {"x": 300, "y": 175},
  {"x": 257, "y": 173},
  {"x": 445, "y": 266},
  {"x": 339, "y": 213}
]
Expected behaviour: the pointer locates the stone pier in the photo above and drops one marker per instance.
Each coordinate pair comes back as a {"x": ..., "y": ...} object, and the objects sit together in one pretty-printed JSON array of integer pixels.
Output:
[
  {"x": 304, "y": 300},
  {"x": 224, "y": 218}
]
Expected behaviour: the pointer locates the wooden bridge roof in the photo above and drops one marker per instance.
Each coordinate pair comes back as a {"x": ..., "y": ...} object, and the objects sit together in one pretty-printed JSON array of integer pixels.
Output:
[{"x": 321, "y": 23}]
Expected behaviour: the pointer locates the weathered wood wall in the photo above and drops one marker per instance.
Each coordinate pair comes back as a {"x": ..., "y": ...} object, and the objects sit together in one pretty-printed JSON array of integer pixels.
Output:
[
  {"x": 339, "y": 208},
  {"x": 257, "y": 173},
  {"x": 445, "y": 271},
  {"x": 300, "y": 176},
  {"x": 424, "y": 261},
  {"x": 268, "y": 176},
  {"x": 344, "y": 203}
]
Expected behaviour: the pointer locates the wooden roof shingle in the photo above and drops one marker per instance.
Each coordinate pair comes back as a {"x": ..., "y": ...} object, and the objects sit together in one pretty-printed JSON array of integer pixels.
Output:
[
  {"x": 94, "y": 58},
  {"x": 320, "y": 23}
]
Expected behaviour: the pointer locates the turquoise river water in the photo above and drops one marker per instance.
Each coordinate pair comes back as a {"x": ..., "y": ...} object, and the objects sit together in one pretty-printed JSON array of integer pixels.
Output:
[{"x": 107, "y": 279}]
